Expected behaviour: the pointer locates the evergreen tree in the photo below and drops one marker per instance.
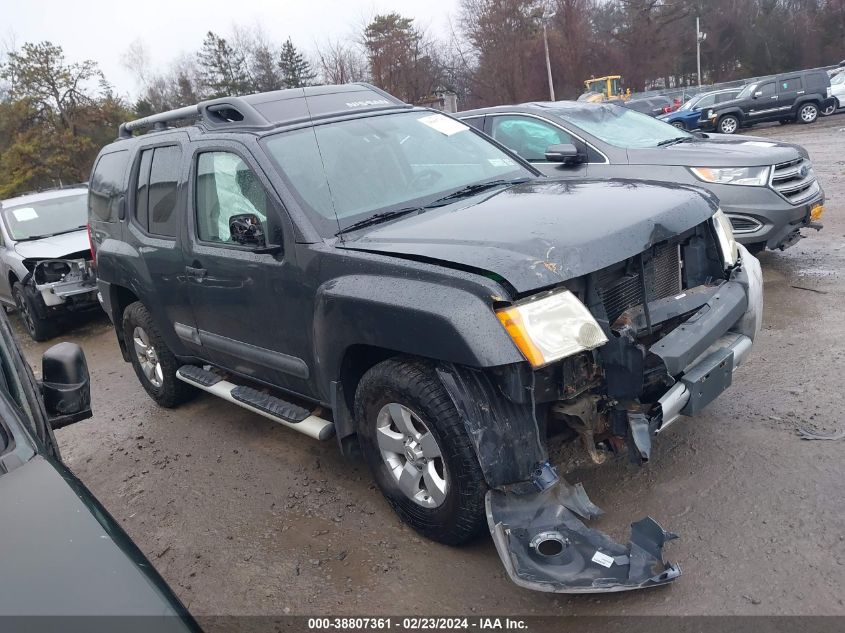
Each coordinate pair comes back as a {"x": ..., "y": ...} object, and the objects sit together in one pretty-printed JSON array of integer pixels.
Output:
[
  {"x": 222, "y": 68},
  {"x": 295, "y": 70}
]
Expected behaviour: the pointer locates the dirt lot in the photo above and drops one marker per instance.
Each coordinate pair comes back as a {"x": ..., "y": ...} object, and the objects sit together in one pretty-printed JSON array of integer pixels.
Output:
[{"x": 242, "y": 516}]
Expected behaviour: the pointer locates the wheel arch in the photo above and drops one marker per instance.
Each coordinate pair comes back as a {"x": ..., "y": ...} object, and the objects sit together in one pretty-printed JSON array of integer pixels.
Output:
[{"x": 120, "y": 298}]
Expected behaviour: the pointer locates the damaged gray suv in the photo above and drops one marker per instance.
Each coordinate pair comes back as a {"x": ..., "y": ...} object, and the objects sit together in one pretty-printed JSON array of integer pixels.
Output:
[
  {"x": 45, "y": 258},
  {"x": 348, "y": 265}
]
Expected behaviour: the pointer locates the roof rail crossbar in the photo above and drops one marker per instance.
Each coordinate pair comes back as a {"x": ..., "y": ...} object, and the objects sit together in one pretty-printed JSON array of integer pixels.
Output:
[{"x": 158, "y": 120}]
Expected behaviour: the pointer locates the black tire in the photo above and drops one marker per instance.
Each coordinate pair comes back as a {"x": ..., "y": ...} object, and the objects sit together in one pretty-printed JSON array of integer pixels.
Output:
[
  {"x": 172, "y": 391},
  {"x": 829, "y": 109},
  {"x": 414, "y": 384},
  {"x": 785, "y": 121},
  {"x": 38, "y": 329},
  {"x": 756, "y": 247},
  {"x": 679, "y": 125},
  {"x": 728, "y": 124},
  {"x": 808, "y": 113}
]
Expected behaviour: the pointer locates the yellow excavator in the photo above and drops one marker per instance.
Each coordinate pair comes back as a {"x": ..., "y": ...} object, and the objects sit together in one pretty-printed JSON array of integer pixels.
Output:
[{"x": 607, "y": 88}]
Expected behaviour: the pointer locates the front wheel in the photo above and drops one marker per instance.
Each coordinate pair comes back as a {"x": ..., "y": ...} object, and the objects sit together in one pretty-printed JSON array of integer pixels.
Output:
[
  {"x": 728, "y": 124},
  {"x": 418, "y": 449},
  {"x": 808, "y": 113},
  {"x": 154, "y": 363},
  {"x": 679, "y": 125},
  {"x": 38, "y": 329},
  {"x": 833, "y": 107}
]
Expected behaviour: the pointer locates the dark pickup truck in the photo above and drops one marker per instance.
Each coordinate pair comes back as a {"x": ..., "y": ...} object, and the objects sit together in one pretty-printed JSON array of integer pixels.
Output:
[{"x": 346, "y": 264}]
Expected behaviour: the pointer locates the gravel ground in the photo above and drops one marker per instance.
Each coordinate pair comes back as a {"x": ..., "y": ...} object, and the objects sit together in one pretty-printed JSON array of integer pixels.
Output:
[{"x": 243, "y": 516}]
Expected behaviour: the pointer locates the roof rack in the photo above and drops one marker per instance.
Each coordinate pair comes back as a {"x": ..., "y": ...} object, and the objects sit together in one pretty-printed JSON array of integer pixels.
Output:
[
  {"x": 266, "y": 110},
  {"x": 188, "y": 113}
]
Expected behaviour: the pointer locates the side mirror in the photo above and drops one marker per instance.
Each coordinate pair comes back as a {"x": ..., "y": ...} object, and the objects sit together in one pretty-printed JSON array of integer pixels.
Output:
[
  {"x": 245, "y": 229},
  {"x": 757, "y": 94},
  {"x": 65, "y": 384},
  {"x": 565, "y": 153}
]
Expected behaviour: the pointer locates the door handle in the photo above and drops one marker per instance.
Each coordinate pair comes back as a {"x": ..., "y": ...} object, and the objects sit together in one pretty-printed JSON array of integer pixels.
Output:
[
  {"x": 198, "y": 274},
  {"x": 800, "y": 92},
  {"x": 775, "y": 97}
]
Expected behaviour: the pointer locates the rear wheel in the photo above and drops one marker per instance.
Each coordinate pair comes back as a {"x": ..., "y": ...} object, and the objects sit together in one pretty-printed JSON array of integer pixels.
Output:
[
  {"x": 728, "y": 124},
  {"x": 154, "y": 363},
  {"x": 679, "y": 125},
  {"x": 808, "y": 113},
  {"x": 418, "y": 449},
  {"x": 37, "y": 328}
]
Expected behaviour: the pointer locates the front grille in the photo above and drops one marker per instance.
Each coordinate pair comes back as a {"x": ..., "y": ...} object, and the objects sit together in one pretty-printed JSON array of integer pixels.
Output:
[
  {"x": 621, "y": 289},
  {"x": 795, "y": 180}
]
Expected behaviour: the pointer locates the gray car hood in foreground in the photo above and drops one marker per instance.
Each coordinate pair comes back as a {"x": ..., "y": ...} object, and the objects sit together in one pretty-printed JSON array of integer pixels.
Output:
[
  {"x": 58, "y": 557},
  {"x": 541, "y": 233},
  {"x": 56, "y": 246},
  {"x": 718, "y": 150}
]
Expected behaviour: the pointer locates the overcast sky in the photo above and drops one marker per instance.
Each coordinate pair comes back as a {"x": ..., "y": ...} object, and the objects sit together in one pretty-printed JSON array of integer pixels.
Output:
[{"x": 102, "y": 30}]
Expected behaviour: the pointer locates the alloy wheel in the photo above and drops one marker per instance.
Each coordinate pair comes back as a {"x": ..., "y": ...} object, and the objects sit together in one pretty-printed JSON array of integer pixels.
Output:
[
  {"x": 412, "y": 455},
  {"x": 147, "y": 357},
  {"x": 728, "y": 126},
  {"x": 809, "y": 113}
]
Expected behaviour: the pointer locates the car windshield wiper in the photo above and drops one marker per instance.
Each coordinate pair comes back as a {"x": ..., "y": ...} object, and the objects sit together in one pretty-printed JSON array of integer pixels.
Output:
[
  {"x": 378, "y": 218},
  {"x": 674, "y": 141},
  {"x": 46, "y": 235},
  {"x": 470, "y": 190}
]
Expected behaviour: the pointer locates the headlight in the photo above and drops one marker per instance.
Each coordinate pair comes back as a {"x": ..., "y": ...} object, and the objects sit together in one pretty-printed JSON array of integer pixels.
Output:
[
  {"x": 725, "y": 234},
  {"x": 710, "y": 114},
  {"x": 753, "y": 176},
  {"x": 551, "y": 328}
]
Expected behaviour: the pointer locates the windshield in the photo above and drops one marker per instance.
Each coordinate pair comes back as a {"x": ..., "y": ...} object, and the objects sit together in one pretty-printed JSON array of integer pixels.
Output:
[
  {"x": 46, "y": 217},
  {"x": 622, "y": 127},
  {"x": 838, "y": 79},
  {"x": 344, "y": 172},
  {"x": 688, "y": 105}
]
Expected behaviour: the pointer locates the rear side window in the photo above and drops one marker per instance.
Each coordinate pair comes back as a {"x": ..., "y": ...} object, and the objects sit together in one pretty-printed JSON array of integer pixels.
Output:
[
  {"x": 790, "y": 85},
  {"x": 157, "y": 191},
  {"x": 107, "y": 186}
]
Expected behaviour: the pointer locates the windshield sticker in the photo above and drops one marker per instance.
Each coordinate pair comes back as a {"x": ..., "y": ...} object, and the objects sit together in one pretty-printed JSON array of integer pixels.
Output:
[
  {"x": 443, "y": 124},
  {"x": 501, "y": 162},
  {"x": 24, "y": 214}
]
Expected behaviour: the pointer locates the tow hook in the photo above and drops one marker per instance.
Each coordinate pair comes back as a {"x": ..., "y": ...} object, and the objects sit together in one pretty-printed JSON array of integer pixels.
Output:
[{"x": 544, "y": 546}]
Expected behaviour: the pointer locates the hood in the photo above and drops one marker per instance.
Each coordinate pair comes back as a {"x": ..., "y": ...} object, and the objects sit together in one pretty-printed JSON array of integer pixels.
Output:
[
  {"x": 56, "y": 246},
  {"x": 63, "y": 555},
  {"x": 541, "y": 233},
  {"x": 717, "y": 150}
]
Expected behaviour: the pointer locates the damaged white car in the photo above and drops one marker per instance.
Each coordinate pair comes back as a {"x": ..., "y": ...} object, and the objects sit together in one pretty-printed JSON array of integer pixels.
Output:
[{"x": 45, "y": 258}]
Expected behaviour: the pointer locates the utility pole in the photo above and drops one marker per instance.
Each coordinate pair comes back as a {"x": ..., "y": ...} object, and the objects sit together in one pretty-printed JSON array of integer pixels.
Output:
[
  {"x": 699, "y": 38},
  {"x": 548, "y": 62}
]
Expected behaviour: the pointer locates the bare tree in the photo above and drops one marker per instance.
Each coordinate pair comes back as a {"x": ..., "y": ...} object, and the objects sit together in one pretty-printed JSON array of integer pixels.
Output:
[{"x": 341, "y": 62}]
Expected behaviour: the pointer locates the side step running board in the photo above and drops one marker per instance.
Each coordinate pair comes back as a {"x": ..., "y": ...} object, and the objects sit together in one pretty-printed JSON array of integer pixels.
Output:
[{"x": 271, "y": 407}]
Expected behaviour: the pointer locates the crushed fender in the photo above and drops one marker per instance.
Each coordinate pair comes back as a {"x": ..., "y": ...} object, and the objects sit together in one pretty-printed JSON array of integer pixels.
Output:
[{"x": 544, "y": 546}]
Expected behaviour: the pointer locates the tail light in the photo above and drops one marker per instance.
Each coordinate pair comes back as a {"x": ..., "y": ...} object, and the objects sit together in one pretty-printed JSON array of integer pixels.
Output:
[
  {"x": 667, "y": 109},
  {"x": 91, "y": 245}
]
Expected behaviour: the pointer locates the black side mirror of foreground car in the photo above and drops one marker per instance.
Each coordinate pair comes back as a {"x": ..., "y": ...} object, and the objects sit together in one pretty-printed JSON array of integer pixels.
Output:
[
  {"x": 245, "y": 229},
  {"x": 65, "y": 384},
  {"x": 565, "y": 153}
]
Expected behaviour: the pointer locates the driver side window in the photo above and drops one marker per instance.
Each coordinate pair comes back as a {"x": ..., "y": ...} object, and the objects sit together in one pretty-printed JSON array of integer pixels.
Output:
[
  {"x": 225, "y": 186},
  {"x": 527, "y": 136},
  {"x": 767, "y": 90}
]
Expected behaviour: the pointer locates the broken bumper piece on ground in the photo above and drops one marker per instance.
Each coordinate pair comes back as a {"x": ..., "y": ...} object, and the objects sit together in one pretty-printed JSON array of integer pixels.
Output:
[{"x": 545, "y": 546}]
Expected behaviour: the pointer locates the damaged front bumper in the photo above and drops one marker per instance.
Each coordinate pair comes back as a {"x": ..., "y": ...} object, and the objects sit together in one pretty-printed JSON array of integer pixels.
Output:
[
  {"x": 544, "y": 546},
  {"x": 64, "y": 283},
  {"x": 536, "y": 519}
]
